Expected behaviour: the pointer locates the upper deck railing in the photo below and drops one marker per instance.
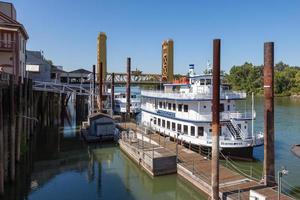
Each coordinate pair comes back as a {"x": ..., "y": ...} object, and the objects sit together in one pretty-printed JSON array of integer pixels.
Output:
[{"x": 191, "y": 96}]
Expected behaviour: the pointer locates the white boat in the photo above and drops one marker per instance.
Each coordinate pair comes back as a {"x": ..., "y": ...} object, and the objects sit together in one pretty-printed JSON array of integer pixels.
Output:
[
  {"x": 184, "y": 111},
  {"x": 120, "y": 103}
]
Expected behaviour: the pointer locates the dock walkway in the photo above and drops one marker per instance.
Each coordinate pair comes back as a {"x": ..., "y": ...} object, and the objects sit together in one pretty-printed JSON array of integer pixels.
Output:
[{"x": 196, "y": 169}]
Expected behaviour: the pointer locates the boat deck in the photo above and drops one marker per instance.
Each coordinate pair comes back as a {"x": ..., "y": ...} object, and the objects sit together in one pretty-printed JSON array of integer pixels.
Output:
[{"x": 198, "y": 167}]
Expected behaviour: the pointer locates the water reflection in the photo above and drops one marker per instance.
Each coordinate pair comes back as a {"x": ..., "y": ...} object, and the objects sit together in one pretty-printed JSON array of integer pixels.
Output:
[{"x": 59, "y": 165}]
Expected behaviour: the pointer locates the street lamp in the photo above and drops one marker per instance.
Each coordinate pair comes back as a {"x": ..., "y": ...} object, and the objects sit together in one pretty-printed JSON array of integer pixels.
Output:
[{"x": 281, "y": 173}]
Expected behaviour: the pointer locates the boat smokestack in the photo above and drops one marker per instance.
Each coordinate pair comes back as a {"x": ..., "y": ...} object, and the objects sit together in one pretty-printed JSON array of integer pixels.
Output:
[
  {"x": 269, "y": 168},
  {"x": 128, "y": 83},
  {"x": 215, "y": 120}
]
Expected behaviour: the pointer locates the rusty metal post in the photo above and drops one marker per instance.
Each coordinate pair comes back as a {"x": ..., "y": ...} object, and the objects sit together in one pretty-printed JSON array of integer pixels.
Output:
[
  {"x": 101, "y": 88},
  {"x": 269, "y": 168},
  {"x": 215, "y": 120},
  {"x": 128, "y": 83},
  {"x": 112, "y": 92}
]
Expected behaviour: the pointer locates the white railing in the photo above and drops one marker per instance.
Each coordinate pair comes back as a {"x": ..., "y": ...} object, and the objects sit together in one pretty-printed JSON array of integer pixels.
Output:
[
  {"x": 195, "y": 116},
  {"x": 60, "y": 88},
  {"x": 244, "y": 135},
  {"x": 178, "y": 95}
]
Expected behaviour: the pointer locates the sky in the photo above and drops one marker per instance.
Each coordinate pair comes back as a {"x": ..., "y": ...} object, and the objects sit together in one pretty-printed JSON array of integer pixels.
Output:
[{"x": 66, "y": 31}]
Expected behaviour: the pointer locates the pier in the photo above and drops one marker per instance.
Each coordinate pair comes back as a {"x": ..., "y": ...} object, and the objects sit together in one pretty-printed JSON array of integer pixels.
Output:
[{"x": 195, "y": 168}]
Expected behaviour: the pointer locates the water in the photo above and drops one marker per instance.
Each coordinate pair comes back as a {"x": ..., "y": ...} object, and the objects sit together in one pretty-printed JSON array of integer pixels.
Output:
[
  {"x": 287, "y": 133},
  {"x": 64, "y": 167}
]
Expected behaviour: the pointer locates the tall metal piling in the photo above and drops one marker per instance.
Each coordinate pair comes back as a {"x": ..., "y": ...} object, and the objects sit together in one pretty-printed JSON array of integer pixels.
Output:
[
  {"x": 215, "y": 120},
  {"x": 101, "y": 88},
  {"x": 1, "y": 147},
  {"x": 128, "y": 92},
  {"x": 269, "y": 165},
  {"x": 112, "y": 93},
  {"x": 12, "y": 119}
]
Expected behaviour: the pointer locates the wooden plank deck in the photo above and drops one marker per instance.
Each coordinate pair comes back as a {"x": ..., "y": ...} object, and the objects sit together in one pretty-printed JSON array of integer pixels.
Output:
[{"x": 232, "y": 184}]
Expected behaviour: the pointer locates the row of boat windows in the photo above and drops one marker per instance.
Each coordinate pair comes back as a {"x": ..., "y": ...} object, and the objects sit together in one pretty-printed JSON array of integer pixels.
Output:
[
  {"x": 180, "y": 128},
  {"x": 185, "y": 108},
  {"x": 170, "y": 106},
  {"x": 124, "y": 96},
  {"x": 202, "y": 81}
]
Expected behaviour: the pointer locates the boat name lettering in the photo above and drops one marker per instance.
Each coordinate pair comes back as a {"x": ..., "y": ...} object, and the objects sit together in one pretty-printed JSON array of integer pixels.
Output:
[{"x": 165, "y": 113}]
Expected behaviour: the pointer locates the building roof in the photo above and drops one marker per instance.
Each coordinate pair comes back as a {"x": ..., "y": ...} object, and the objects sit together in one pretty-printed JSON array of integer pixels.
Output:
[
  {"x": 80, "y": 71},
  {"x": 8, "y": 22},
  {"x": 34, "y": 58}
]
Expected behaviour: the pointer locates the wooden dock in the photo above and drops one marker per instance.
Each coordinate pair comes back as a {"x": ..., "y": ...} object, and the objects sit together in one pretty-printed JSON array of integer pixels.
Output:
[{"x": 196, "y": 169}]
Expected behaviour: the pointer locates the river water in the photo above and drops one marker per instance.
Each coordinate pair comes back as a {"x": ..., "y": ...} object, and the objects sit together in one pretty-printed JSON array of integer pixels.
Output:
[{"x": 62, "y": 166}]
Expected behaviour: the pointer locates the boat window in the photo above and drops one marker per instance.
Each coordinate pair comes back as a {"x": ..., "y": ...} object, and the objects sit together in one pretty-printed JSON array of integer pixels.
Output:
[
  {"x": 192, "y": 130},
  {"x": 179, "y": 128},
  {"x": 208, "y": 81},
  {"x": 169, "y": 106},
  {"x": 160, "y": 104},
  {"x": 163, "y": 123},
  {"x": 185, "y": 129},
  {"x": 173, "y": 126},
  {"x": 154, "y": 121},
  {"x": 174, "y": 106},
  {"x": 228, "y": 107},
  {"x": 168, "y": 124},
  {"x": 158, "y": 121},
  {"x": 200, "y": 131},
  {"x": 124, "y": 96},
  {"x": 133, "y": 96},
  {"x": 179, "y": 107},
  {"x": 202, "y": 81},
  {"x": 185, "y": 108},
  {"x": 164, "y": 105}
]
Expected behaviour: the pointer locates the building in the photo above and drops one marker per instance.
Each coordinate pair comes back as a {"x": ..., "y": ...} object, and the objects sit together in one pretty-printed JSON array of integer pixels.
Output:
[
  {"x": 37, "y": 67},
  {"x": 78, "y": 76},
  {"x": 13, "y": 38},
  {"x": 101, "y": 54},
  {"x": 167, "y": 70}
]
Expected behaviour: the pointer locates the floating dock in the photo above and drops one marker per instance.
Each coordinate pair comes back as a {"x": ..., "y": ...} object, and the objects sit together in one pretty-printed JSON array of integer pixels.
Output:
[
  {"x": 154, "y": 159},
  {"x": 196, "y": 169}
]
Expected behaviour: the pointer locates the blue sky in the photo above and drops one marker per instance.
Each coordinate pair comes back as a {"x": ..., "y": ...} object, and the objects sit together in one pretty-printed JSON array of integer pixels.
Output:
[{"x": 66, "y": 30}]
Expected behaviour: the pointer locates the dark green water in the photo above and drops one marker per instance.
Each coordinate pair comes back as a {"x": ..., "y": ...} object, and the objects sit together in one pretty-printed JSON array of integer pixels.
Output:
[
  {"x": 287, "y": 133},
  {"x": 61, "y": 166}
]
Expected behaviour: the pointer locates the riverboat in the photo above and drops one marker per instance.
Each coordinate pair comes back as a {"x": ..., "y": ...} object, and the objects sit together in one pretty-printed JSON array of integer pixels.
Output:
[{"x": 184, "y": 111}]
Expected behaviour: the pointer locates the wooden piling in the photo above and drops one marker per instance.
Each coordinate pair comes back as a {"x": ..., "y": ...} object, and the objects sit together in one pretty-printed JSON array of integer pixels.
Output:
[
  {"x": 101, "y": 88},
  {"x": 12, "y": 119},
  {"x": 215, "y": 120},
  {"x": 1, "y": 146},
  {"x": 20, "y": 120},
  {"x": 112, "y": 93},
  {"x": 25, "y": 109},
  {"x": 269, "y": 163},
  {"x": 128, "y": 84}
]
